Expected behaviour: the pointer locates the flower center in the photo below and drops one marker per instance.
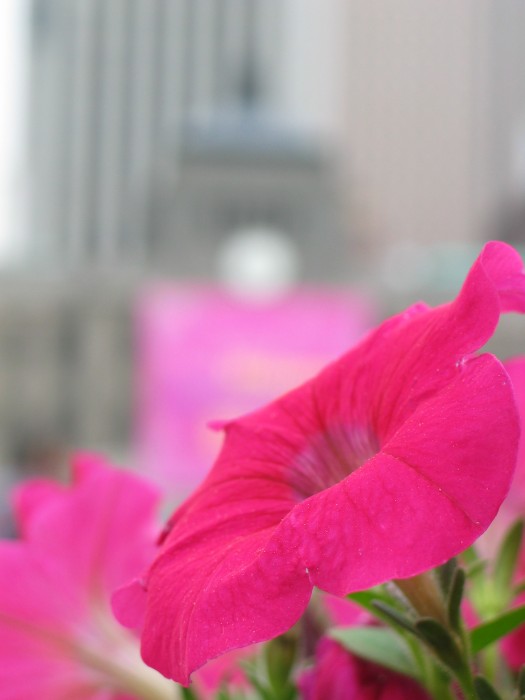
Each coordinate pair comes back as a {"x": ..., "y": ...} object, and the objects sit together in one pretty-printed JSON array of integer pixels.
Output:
[{"x": 330, "y": 457}]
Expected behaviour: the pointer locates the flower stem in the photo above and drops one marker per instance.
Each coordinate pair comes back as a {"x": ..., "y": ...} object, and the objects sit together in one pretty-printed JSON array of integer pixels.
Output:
[
  {"x": 440, "y": 689},
  {"x": 490, "y": 663},
  {"x": 424, "y": 595},
  {"x": 467, "y": 684}
]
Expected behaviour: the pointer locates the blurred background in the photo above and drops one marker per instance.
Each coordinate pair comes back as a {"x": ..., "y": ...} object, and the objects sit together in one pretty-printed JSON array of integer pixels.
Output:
[{"x": 201, "y": 201}]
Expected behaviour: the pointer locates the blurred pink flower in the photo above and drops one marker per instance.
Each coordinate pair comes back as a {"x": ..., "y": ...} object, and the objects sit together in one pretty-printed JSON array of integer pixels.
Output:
[
  {"x": 339, "y": 675},
  {"x": 58, "y": 639},
  {"x": 342, "y": 612},
  {"x": 203, "y": 353},
  {"x": 390, "y": 461}
]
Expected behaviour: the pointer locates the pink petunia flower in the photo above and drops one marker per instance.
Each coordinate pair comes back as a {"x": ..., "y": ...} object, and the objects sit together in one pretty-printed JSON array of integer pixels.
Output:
[
  {"x": 339, "y": 675},
  {"x": 514, "y": 505},
  {"x": 393, "y": 459},
  {"x": 58, "y": 638},
  {"x": 513, "y": 645}
]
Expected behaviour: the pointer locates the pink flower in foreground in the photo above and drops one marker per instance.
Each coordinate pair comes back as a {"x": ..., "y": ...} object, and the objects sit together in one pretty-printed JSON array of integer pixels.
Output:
[
  {"x": 339, "y": 675},
  {"x": 513, "y": 645},
  {"x": 515, "y": 501},
  {"x": 513, "y": 506},
  {"x": 390, "y": 461},
  {"x": 58, "y": 638}
]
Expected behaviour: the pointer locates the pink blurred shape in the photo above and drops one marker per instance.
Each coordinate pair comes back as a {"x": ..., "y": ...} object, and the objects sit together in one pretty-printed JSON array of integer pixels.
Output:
[
  {"x": 339, "y": 675},
  {"x": 204, "y": 355},
  {"x": 58, "y": 638}
]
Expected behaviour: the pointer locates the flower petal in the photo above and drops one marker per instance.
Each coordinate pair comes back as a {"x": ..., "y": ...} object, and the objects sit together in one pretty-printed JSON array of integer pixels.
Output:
[
  {"x": 429, "y": 493},
  {"x": 390, "y": 461},
  {"x": 515, "y": 504},
  {"x": 251, "y": 588},
  {"x": 79, "y": 542},
  {"x": 104, "y": 509}
]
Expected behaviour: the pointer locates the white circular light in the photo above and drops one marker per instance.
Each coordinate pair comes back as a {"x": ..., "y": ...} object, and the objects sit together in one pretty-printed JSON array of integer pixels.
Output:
[{"x": 258, "y": 263}]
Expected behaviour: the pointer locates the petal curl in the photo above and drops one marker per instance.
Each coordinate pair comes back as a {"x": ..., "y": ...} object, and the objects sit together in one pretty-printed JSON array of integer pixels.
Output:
[{"x": 390, "y": 461}]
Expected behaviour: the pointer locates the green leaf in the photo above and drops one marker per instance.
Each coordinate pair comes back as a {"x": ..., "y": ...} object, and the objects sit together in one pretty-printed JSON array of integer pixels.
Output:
[
  {"x": 473, "y": 563},
  {"x": 477, "y": 568},
  {"x": 367, "y": 599},
  {"x": 188, "y": 694},
  {"x": 445, "y": 575},
  {"x": 489, "y": 632},
  {"x": 484, "y": 690},
  {"x": 441, "y": 642},
  {"x": 378, "y": 644},
  {"x": 393, "y": 615},
  {"x": 507, "y": 558},
  {"x": 384, "y": 606},
  {"x": 280, "y": 656},
  {"x": 470, "y": 555},
  {"x": 455, "y": 595},
  {"x": 251, "y": 671},
  {"x": 264, "y": 692}
]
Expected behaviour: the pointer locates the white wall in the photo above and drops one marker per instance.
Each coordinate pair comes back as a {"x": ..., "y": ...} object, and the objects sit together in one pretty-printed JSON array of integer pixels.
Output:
[
  {"x": 416, "y": 115},
  {"x": 314, "y": 46}
]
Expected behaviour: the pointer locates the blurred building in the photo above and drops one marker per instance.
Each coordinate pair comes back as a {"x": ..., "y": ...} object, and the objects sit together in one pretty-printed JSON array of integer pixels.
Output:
[
  {"x": 157, "y": 131},
  {"x": 65, "y": 369},
  {"x": 373, "y": 137},
  {"x": 435, "y": 116},
  {"x": 157, "y": 128},
  {"x": 406, "y": 120}
]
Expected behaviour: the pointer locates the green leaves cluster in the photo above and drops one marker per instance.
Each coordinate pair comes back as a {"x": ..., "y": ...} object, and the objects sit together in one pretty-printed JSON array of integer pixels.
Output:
[{"x": 440, "y": 652}]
